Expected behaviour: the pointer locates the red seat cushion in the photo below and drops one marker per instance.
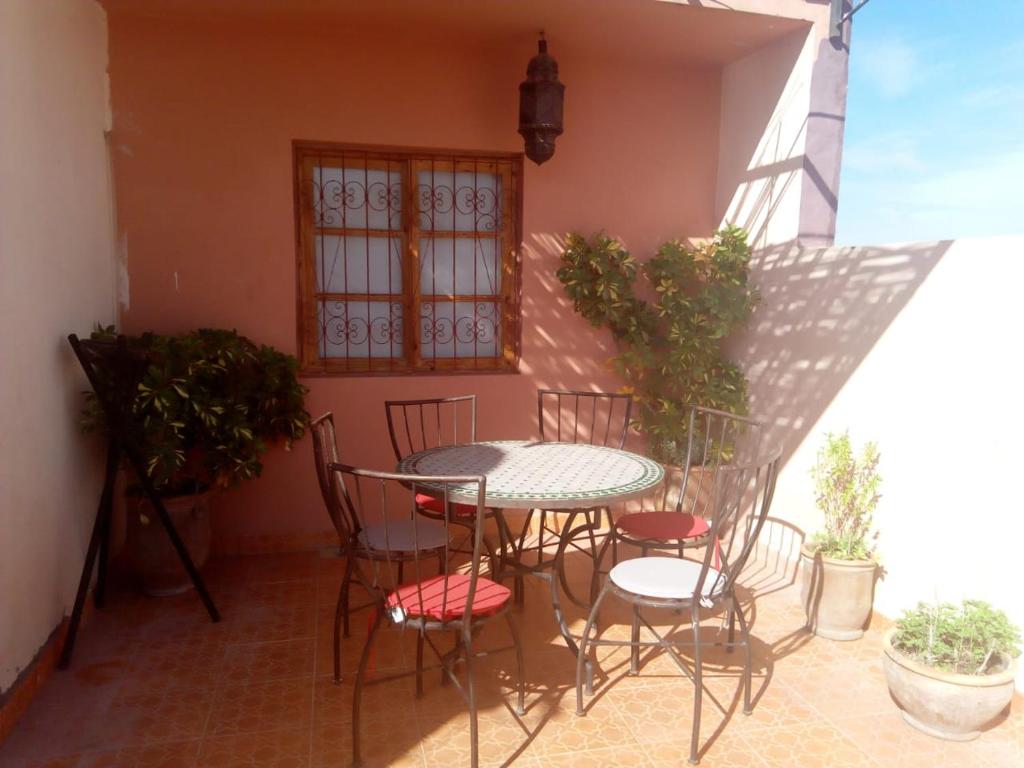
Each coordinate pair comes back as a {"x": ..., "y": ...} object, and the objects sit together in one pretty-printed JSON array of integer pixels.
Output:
[
  {"x": 427, "y": 598},
  {"x": 435, "y": 505},
  {"x": 663, "y": 526}
]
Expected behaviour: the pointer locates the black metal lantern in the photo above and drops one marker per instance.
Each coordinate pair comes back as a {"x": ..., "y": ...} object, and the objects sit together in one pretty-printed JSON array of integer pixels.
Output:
[{"x": 540, "y": 105}]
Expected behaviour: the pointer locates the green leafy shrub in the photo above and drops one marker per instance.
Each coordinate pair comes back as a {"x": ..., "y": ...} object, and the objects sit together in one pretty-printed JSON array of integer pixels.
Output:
[
  {"x": 846, "y": 493},
  {"x": 670, "y": 348},
  {"x": 965, "y": 639},
  {"x": 208, "y": 405}
]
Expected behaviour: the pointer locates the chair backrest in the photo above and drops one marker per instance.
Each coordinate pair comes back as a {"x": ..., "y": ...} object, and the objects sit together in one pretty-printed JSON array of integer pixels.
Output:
[
  {"x": 385, "y": 502},
  {"x": 415, "y": 425},
  {"x": 713, "y": 439},
  {"x": 597, "y": 418},
  {"x": 741, "y": 500},
  {"x": 325, "y": 453}
]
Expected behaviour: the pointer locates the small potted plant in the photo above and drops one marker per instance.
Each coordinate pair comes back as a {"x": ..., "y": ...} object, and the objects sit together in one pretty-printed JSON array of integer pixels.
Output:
[
  {"x": 951, "y": 668},
  {"x": 838, "y": 565},
  {"x": 208, "y": 405}
]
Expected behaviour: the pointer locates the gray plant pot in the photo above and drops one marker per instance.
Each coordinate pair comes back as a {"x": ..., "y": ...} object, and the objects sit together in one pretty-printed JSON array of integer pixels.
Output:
[
  {"x": 836, "y": 594},
  {"x": 149, "y": 549},
  {"x": 944, "y": 704}
]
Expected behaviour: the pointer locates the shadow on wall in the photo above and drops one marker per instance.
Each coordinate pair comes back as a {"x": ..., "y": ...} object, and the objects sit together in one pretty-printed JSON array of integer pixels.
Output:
[
  {"x": 821, "y": 312},
  {"x": 767, "y": 146}
]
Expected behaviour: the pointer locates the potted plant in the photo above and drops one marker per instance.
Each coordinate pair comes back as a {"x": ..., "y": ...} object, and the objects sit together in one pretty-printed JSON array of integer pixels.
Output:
[
  {"x": 951, "y": 668},
  {"x": 838, "y": 566},
  {"x": 208, "y": 405}
]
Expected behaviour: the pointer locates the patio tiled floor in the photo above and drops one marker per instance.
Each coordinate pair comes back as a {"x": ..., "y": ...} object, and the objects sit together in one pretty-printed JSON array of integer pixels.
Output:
[{"x": 155, "y": 684}]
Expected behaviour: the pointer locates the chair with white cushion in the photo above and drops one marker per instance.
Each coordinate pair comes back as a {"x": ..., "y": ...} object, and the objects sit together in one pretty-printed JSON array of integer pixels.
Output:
[
  {"x": 739, "y": 500},
  {"x": 400, "y": 540},
  {"x": 712, "y": 438}
]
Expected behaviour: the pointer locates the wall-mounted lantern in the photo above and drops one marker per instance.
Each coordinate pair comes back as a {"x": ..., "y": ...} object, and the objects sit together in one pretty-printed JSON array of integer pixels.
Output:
[{"x": 540, "y": 105}]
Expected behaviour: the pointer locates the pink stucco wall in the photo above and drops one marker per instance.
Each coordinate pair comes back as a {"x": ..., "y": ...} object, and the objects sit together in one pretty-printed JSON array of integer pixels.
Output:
[{"x": 205, "y": 110}]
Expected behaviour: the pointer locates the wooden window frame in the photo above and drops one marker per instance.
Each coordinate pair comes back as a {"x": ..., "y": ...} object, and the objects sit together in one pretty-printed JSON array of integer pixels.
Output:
[{"x": 407, "y": 160}]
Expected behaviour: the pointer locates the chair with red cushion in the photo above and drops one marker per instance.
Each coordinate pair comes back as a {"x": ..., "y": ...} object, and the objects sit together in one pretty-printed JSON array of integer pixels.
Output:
[
  {"x": 418, "y": 425},
  {"x": 571, "y": 416},
  {"x": 741, "y": 495},
  {"x": 713, "y": 438},
  {"x": 457, "y": 600}
]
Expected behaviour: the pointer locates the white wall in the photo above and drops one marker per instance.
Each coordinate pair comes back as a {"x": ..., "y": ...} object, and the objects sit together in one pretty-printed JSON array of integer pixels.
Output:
[
  {"x": 783, "y": 112},
  {"x": 765, "y": 100},
  {"x": 56, "y": 277},
  {"x": 917, "y": 347}
]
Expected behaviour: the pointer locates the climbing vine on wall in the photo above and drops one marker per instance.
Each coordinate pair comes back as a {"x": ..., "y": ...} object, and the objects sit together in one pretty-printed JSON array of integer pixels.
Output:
[{"x": 670, "y": 347}]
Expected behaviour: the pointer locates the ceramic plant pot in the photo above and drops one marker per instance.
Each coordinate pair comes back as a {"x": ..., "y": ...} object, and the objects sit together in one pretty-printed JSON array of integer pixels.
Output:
[
  {"x": 149, "y": 548},
  {"x": 945, "y": 704},
  {"x": 836, "y": 594}
]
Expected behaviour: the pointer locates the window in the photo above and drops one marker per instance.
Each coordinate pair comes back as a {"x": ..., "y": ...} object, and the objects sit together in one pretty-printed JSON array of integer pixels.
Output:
[{"x": 408, "y": 259}]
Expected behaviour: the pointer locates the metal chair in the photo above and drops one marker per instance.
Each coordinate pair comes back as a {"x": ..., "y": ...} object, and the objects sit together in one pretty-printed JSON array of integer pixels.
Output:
[
  {"x": 364, "y": 542},
  {"x": 457, "y": 600},
  {"x": 595, "y": 418},
  {"x": 740, "y": 499},
  {"x": 416, "y": 425},
  {"x": 713, "y": 438}
]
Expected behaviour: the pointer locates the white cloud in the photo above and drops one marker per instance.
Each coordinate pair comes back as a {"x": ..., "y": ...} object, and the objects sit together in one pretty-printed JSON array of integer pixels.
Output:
[{"x": 891, "y": 65}]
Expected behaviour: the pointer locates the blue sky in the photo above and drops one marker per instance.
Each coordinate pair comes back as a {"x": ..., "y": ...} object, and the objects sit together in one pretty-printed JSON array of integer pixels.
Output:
[{"x": 934, "y": 143}]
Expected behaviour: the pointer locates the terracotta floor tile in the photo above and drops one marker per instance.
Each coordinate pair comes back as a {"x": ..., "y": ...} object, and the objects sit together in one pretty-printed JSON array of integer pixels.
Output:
[
  {"x": 155, "y": 683},
  {"x": 808, "y": 746},
  {"x": 725, "y": 751},
  {"x": 279, "y": 705},
  {"x": 261, "y": 662},
  {"x": 890, "y": 741},
  {"x": 265, "y": 749},
  {"x": 332, "y": 747},
  {"x": 68, "y": 761},
  {"x": 160, "y": 714},
  {"x": 292, "y": 566},
  {"x": 180, "y": 754}
]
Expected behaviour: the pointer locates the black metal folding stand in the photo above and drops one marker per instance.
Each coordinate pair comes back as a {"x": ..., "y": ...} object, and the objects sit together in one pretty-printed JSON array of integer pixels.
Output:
[{"x": 114, "y": 370}]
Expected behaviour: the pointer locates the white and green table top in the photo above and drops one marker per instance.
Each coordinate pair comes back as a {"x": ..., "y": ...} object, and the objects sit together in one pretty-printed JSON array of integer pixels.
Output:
[{"x": 523, "y": 474}]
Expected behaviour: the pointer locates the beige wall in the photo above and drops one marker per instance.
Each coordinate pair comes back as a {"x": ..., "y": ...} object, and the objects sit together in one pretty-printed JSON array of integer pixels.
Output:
[
  {"x": 55, "y": 277},
  {"x": 913, "y": 346}
]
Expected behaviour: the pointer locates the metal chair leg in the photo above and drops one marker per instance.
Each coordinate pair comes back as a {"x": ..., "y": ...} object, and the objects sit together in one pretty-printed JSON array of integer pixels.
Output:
[
  {"x": 521, "y": 683},
  {"x": 343, "y": 595},
  {"x": 419, "y": 664},
  {"x": 634, "y": 640},
  {"x": 730, "y": 637},
  {"x": 698, "y": 682},
  {"x": 474, "y": 732},
  {"x": 360, "y": 677},
  {"x": 748, "y": 662},
  {"x": 340, "y": 610},
  {"x": 581, "y": 655}
]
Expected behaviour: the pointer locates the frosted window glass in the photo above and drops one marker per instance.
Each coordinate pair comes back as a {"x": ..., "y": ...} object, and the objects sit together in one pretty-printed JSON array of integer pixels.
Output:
[
  {"x": 459, "y": 266},
  {"x": 460, "y": 329},
  {"x": 341, "y": 264},
  {"x": 460, "y": 202},
  {"x": 360, "y": 329},
  {"x": 357, "y": 198}
]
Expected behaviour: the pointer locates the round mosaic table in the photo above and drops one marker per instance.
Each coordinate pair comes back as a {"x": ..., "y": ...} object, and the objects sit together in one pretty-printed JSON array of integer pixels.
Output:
[
  {"x": 525, "y": 475},
  {"x": 576, "y": 478}
]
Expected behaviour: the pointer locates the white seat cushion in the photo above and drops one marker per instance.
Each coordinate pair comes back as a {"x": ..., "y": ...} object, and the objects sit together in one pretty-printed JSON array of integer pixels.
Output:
[
  {"x": 402, "y": 537},
  {"x": 664, "y": 577}
]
